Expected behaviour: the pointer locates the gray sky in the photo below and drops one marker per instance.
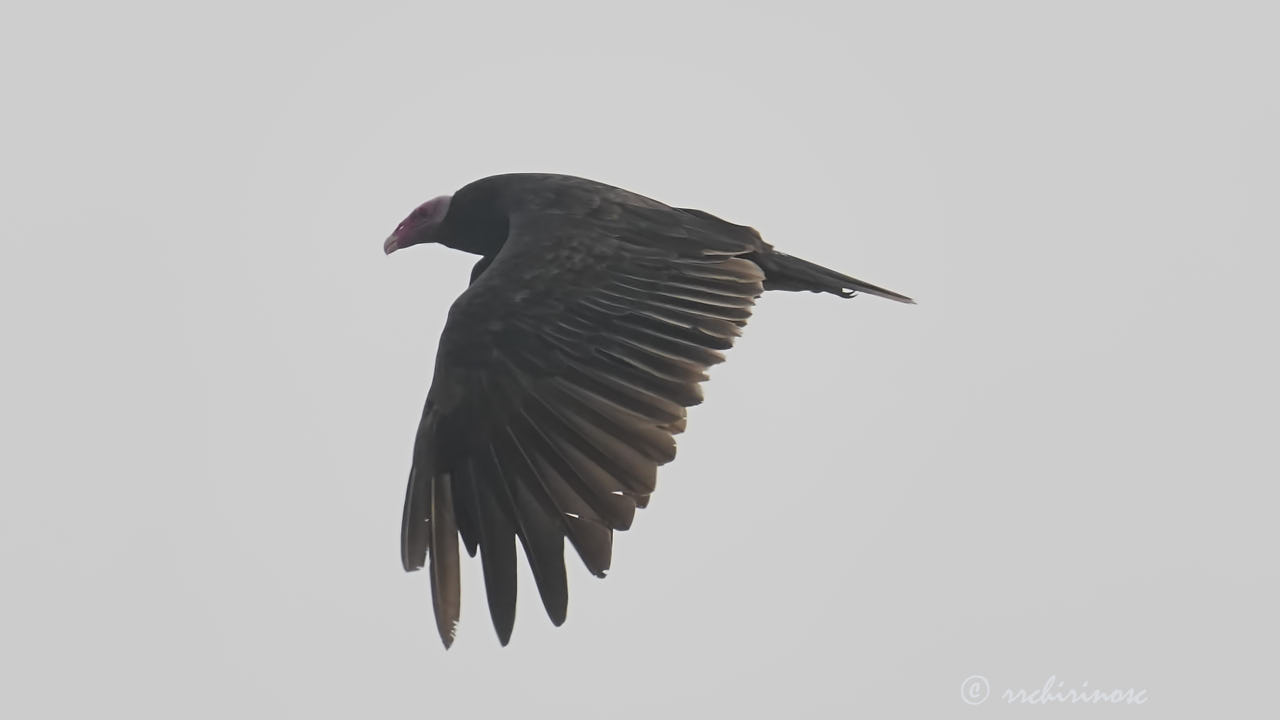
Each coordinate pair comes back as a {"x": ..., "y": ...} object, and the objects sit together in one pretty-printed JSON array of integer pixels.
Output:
[{"x": 1058, "y": 464}]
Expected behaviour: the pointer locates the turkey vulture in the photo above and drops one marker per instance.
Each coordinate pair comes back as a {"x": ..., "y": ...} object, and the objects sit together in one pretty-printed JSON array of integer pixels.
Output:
[{"x": 565, "y": 369}]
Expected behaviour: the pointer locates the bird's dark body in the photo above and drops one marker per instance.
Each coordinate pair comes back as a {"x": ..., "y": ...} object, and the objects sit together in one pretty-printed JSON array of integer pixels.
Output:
[{"x": 565, "y": 369}]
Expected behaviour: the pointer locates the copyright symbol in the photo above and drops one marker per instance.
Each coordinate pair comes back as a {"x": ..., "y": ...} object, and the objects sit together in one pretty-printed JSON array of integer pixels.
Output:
[{"x": 975, "y": 689}]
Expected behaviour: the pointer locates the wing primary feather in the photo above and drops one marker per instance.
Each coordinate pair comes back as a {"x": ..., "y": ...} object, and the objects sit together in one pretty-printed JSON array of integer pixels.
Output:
[
  {"x": 724, "y": 330},
  {"x": 730, "y": 292},
  {"x": 445, "y": 581},
  {"x": 655, "y": 408},
  {"x": 539, "y": 531},
  {"x": 497, "y": 545},
  {"x": 415, "y": 531},
  {"x": 465, "y": 503},
  {"x": 656, "y": 326},
  {"x": 571, "y": 493},
  {"x": 586, "y": 532},
  {"x": 592, "y": 484},
  {"x": 672, "y": 301},
  {"x": 594, "y": 543},
  {"x": 692, "y": 355},
  {"x": 663, "y": 366},
  {"x": 637, "y": 476},
  {"x": 645, "y": 438},
  {"x": 596, "y": 370}
]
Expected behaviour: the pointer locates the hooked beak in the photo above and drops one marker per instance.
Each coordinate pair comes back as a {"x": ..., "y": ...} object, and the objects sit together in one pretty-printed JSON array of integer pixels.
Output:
[{"x": 420, "y": 227}]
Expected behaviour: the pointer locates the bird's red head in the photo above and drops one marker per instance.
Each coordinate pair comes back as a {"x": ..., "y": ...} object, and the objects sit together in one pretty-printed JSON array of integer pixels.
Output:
[{"x": 421, "y": 225}]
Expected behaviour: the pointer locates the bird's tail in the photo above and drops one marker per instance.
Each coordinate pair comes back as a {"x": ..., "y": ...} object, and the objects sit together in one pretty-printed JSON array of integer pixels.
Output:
[{"x": 784, "y": 272}]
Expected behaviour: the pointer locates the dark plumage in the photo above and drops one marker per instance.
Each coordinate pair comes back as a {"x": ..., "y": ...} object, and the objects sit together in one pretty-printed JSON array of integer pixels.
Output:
[{"x": 565, "y": 369}]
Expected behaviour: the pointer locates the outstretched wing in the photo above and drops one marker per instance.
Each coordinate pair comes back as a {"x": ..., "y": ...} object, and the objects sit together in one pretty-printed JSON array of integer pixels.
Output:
[{"x": 563, "y": 372}]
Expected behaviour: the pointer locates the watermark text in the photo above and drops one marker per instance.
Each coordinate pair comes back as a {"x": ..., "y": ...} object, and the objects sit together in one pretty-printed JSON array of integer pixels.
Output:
[{"x": 976, "y": 690}]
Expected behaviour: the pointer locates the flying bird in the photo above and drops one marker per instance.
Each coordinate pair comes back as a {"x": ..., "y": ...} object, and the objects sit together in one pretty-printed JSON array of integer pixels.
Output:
[{"x": 564, "y": 371}]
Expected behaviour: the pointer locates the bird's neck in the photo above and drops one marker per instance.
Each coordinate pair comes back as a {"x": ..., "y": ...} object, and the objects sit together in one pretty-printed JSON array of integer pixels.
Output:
[{"x": 478, "y": 233}]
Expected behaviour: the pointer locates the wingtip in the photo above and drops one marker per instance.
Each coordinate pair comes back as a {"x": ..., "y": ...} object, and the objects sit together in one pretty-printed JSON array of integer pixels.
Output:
[
  {"x": 503, "y": 628},
  {"x": 448, "y": 631}
]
